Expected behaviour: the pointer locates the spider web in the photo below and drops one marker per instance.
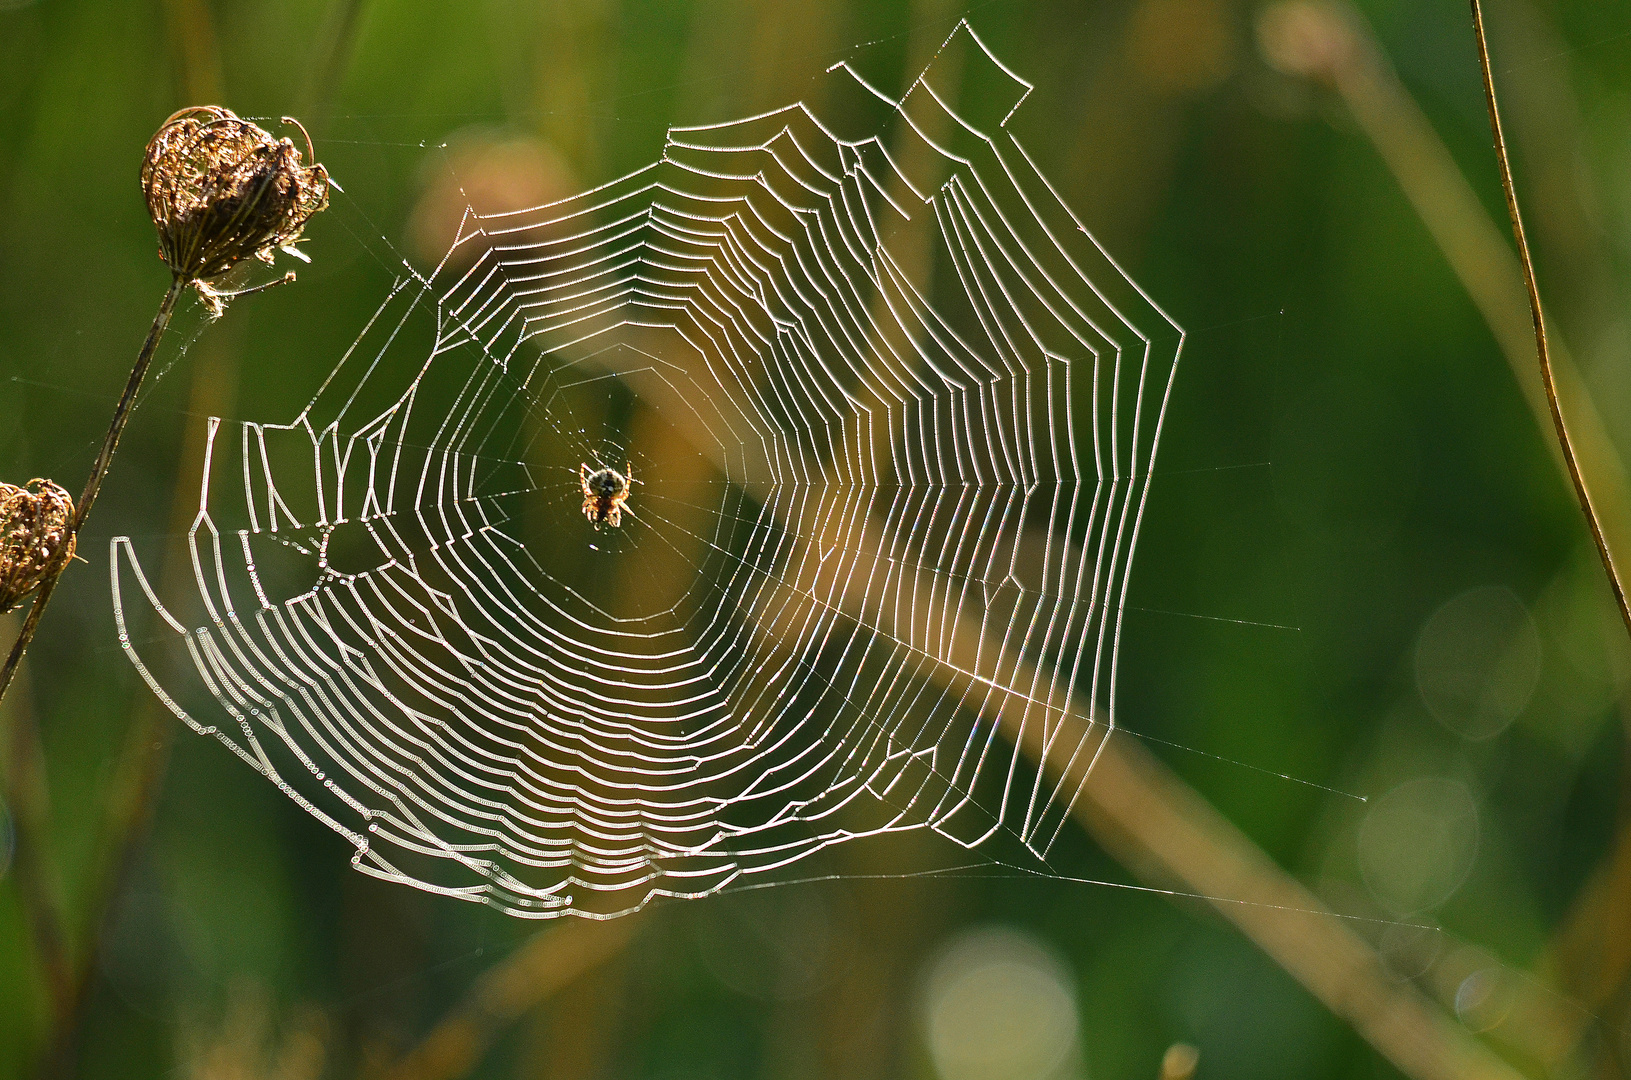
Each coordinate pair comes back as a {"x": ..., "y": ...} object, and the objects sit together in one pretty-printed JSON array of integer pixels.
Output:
[{"x": 878, "y": 523}]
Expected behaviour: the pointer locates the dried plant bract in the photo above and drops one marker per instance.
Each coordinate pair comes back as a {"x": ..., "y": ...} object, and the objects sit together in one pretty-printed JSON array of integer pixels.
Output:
[
  {"x": 222, "y": 189},
  {"x": 36, "y": 537}
]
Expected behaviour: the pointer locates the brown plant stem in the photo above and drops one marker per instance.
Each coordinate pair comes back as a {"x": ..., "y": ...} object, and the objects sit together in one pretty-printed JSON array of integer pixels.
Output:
[
  {"x": 1537, "y": 314},
  {"x": 99, "y": 472},
  {"x": 195, "y": 49}
]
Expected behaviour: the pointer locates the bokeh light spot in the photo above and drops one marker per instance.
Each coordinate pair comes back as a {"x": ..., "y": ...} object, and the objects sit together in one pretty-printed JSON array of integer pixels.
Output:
[
  {"x": 1477, "y": 661},
  {"x": 1418, "y": 843},
  {"x": 1483, "y": 999},
  {"x": 998, "y": 1005}
]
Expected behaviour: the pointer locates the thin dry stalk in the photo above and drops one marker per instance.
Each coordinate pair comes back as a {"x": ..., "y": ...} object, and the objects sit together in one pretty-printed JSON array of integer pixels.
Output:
[
  {"x": 99, "y": 471},
  {"x": 194, "y": 48},
  {"x": 1166, "y": 833},
  {"x": 1538, "y": 315}
]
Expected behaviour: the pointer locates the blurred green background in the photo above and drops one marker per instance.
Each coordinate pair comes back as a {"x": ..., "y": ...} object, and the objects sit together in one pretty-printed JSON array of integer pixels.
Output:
[{"x": 1348, "y": 454}]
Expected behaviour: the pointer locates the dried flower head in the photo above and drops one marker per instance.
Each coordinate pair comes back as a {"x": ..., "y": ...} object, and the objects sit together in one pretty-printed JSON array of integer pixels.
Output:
[
  {"x": 36, "y": 537},
  {"x": 221, "y": 189}
]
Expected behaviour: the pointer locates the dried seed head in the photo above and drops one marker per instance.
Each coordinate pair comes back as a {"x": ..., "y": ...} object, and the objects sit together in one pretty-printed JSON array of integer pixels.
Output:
[
  {"x": 221, "y": 189},
  {"x": 36, "y": 537}
]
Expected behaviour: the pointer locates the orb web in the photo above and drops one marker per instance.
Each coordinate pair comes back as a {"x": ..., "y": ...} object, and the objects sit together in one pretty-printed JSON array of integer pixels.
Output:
[{"x": 888, "y": 412}]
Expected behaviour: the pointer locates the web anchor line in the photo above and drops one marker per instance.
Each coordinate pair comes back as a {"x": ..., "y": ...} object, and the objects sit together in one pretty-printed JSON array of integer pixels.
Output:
[{"x": 872, "y": 512}]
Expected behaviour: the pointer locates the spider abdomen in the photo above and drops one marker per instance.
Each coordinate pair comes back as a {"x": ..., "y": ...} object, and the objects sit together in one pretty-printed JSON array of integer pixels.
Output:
[{"x": 605, "y": 493}]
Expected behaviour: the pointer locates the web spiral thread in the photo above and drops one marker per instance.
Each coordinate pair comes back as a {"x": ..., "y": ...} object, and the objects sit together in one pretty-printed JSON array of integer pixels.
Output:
[{"x": 889, "y": 412}]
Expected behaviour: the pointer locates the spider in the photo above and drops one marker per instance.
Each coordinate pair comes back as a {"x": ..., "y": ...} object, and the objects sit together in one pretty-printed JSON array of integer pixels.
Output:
[{"x": 605, "y": 491}]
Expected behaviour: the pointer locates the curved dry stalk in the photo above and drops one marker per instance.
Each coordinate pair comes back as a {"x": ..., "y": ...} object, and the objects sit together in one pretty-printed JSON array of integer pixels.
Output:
[{"x": 1538, "y": 315}]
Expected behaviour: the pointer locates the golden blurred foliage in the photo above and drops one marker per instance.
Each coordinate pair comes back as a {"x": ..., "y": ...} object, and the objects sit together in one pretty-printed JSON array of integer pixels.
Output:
[
  {"x": 1182, "y": 46},
  {"x": 245, "y": 1044},
  {"x": 1179, "y": 1062}
]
